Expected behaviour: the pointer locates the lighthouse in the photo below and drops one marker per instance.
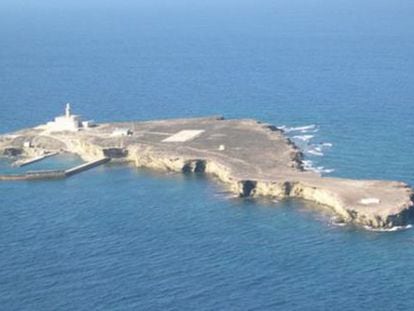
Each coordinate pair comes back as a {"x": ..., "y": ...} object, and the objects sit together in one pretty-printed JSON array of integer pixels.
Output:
[
  {"x": 67, "y": 110},
  {"x": 66, "y": 122}
]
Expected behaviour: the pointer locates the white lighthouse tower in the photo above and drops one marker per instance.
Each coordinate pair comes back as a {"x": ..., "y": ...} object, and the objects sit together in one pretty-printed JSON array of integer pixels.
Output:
[{"x": 67, "y": 110}]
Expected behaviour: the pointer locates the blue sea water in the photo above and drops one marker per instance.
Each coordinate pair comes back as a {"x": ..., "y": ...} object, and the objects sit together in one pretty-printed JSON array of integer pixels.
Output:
[{"x": 118, "y": 238}]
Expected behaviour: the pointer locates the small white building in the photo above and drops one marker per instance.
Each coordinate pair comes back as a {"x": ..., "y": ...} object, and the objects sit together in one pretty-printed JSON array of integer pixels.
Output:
[
  {"x": 121, "y": 132},
  {"x": 27, "y": 144},
  {"x": 88, "y": 124}
]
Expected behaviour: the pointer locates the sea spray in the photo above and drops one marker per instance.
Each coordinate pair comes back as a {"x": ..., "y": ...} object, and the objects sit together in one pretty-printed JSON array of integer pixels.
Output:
[{"x": 310, "y": 149}]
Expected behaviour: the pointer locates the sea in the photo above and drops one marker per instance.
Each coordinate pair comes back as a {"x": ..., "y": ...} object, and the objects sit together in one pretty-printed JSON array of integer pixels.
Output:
[{"x": 337, "y": 75}]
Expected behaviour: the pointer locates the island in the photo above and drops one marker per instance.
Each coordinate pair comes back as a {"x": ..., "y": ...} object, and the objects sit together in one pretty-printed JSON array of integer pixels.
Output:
[{"x": 250, "y": 158}]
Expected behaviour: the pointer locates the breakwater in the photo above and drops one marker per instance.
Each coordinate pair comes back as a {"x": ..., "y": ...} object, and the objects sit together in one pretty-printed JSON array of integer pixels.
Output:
[
  {"x": 35, "y": 175},
  {"x": 86, "y": 166},
  {"x": 25, "y": 162},
  {"x": 54, "y": 174}
]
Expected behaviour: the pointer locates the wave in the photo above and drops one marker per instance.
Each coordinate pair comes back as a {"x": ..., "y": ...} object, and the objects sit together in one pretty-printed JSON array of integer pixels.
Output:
[
  {"x": 323, "y": 170},
  {"x": 337, "y": 221},
  {"x": 328, "y": 145},
  {"x": 302, "y": 129},
  {"x": 308, "y": 148},
  {"x": 308, "y": 165},
  {"x": 304, "y": 138},
  {"x": 392, "y": 229},
  {"x": 314, "y": 152}
]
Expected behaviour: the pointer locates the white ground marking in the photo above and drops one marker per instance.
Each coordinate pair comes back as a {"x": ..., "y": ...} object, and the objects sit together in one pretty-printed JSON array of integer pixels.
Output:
[
  {"x": 368, "y": 201},
  {"x": 183, "y": 136}
]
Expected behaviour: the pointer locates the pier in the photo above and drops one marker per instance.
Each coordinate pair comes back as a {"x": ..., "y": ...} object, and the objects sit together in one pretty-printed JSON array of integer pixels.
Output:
[
  {"x": 35, "y": 175},
  {"x": 26, "y": 162},
  {"x": 54, "y": 174},
  {"x": 86, "y": 166}
]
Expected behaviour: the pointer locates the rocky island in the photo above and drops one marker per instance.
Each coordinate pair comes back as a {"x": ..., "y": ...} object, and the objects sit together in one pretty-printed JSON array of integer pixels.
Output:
[{"x": 250, "y": 158}]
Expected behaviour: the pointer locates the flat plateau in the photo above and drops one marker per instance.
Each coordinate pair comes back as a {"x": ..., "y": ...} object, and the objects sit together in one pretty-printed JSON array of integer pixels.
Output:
[{"x": 250, "y": 158}]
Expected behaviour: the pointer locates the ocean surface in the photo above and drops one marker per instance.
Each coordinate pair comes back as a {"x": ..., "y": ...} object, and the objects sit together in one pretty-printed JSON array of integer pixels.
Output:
[{"x": 338, "y": 75}]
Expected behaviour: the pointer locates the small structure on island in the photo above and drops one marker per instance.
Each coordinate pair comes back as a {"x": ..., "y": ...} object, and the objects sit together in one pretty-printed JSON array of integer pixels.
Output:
[
  {"x": 121, "y": 132},
  {"x": 27, "y": 144},
  {"x": 88, "y": 123},
  {"x": 68, "y": 122}
]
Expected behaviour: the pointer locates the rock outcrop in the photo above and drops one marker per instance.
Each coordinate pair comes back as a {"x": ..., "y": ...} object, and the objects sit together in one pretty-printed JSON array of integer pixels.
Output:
[{"x": 252, "y": 159}]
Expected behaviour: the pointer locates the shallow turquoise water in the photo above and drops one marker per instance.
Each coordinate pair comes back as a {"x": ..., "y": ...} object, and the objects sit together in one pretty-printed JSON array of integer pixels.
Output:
[
  {"x": 120, "y": 238},
  {"x": 59, "y": 162}
]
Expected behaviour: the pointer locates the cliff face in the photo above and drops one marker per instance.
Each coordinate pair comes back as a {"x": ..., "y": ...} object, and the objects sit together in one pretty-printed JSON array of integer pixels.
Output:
[
  {"x": 86, "y": 149},
  {"x": 251, "y": 159},
  {"x": 395, "y": 214}
]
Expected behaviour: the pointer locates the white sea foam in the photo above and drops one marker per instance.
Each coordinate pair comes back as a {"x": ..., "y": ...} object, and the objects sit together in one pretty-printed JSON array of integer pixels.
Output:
[
  {"x": 328, "y": 145},
  {"x": 308, "y": 148},
  {"x": 323, "y": 170},
  {"x": 340, "y": 223},
  {"x": 304, "y": 138},
  {"x": 392, "y": 229},
  {"x": 302, "y": 129},
  {"x": 308, "y": 165},
  {"x": 337, "y": 221},
  {"x": 226, "y": 195},
  {"x": 314, "y": 152}
]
